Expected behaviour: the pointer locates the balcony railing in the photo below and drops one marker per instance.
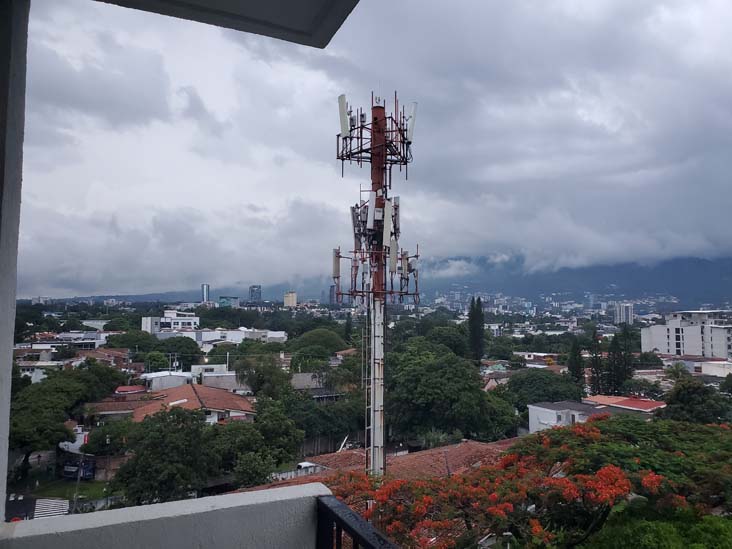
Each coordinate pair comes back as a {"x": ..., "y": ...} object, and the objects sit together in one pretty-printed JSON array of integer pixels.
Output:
[
  {"x": 337, "y": 520},
  {"x": 305, "y": 516}
]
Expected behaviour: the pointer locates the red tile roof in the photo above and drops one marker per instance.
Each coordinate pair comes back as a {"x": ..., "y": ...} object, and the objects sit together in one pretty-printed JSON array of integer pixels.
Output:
[
  {"x": 436, "y": 462},
  {"x": 641, "y": 404},
  {"x": 195, "y": 397}
]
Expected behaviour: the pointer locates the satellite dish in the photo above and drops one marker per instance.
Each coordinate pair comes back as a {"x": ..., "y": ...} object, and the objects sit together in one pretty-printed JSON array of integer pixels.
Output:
[
  {"x": 411, "y": 119},
  {"x": 343, "y": 113}
]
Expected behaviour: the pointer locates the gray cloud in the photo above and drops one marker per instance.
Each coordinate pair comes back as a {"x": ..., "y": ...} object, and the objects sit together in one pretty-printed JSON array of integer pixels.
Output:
[{"x": 570, "y": 133}]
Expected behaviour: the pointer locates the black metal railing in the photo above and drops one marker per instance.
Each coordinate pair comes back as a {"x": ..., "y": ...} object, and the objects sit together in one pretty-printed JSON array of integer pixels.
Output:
[{"x": 337, "y": 523}]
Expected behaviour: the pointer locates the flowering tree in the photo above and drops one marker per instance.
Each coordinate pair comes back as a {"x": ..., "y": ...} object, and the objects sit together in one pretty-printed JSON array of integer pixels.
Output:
[{"x": 546, "y": 492}]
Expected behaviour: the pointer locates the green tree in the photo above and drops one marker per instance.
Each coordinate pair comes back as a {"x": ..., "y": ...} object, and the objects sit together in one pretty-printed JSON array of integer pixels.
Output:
[
  {"x": 171, "y": 458},
  {"x": 575, "y": 363},
  {"x": 279, "y": 432},
  {"x": 64, "y": 352},
  {"x": 184, "y": 349},
  {"x": 110, "y": 439},
  {"x": 431, "y": 388},
  {"x": 321, "y": 337},
  {"x": 449, "y": 336},
  {"x": 476, "y": 329},
  {"x": 18, "y": 381},
  {"x": 313, "y": 358},
  {"x": 501, "y": 348},
  {"x": 119, "y": 324},
  {"x": 534, "y": 385},
  {"x": 649, "y": 360},
  {"x": 348, "y": 328},
  {"x": 678, "y": 372},
  {"x": 598, "y": 370},
  {"x": 618, "y": 368},
  {"x": 264, "y": 375},
  {"x": 38, "y": 412},
  {"x": 231, "y": 440},
  {"x": 134, "y": 340},
  {"x": 726, "y": 385},
  {"x": 692, "y": 401},
  {"x": 75, "y": 325},
  {"x": 156, "y": 361},
  {"x": 223, "y": 354},
  {"x": 254, "y": 468},
  {"x": 642, "y": 388}
]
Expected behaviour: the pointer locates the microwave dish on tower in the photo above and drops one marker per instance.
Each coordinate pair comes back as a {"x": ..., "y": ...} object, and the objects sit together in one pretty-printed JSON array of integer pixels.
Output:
[{"x": 380, "y": 271}]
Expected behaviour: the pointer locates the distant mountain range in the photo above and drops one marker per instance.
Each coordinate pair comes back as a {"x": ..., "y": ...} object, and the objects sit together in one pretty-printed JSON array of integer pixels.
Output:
[{"x": 693, "y": 281}]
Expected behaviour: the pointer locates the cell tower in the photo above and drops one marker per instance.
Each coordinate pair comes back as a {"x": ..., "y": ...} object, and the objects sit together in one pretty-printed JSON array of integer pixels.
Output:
[{"x": 379, "y": 271}]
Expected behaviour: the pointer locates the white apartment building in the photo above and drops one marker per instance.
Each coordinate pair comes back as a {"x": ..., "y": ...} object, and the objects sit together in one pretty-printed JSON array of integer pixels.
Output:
[
  {"x": 208, "y": 336},
  {"x": 624, "y": 313},
  {"x": 692, "y": 333},
  {"x": 290, "y": 299},
  {"x": 171, "y": 320}
]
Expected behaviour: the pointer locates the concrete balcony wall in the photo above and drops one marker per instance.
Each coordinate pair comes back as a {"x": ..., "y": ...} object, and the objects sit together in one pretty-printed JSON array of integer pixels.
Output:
[{"x": 281, "y": 517}]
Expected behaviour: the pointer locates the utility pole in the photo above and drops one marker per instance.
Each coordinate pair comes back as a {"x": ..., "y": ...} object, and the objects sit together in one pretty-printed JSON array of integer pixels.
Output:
[{"x": 383, "y": 142}]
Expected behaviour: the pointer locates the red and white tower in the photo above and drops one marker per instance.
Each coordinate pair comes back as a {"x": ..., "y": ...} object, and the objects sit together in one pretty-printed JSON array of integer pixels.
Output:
[{"x": 380, "y": 272}]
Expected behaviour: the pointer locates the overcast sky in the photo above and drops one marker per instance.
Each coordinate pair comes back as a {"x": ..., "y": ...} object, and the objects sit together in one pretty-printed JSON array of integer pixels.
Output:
[{"x": 162, "y": 153}]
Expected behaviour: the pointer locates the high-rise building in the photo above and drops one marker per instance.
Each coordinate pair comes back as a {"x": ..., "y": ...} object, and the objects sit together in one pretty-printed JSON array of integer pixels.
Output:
[
  {"x": 205, "y": 292},
  {"x": 290, "y": 299},
  {"x": 255, "y": 293},
  {"x": 332, "y": 300},
  {"x": 624, "y": 313}
]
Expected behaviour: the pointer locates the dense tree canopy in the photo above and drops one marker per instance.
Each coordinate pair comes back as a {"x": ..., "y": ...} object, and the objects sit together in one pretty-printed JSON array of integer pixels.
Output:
[
  {"x": 321, "y": 337},
  {"x": 451, "y": 337},
  {"x": 533, "y": 385},
  {"x": 172, "y": 458},
  {"x": 38, "y": 412},
  {"x": 692, "y": 401},
  {"x": 431, "y": 388},
  {"x": 135, "y": 340}
]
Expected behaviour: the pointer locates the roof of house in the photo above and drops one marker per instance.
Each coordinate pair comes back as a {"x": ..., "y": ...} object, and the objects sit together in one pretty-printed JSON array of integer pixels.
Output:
[
  {"x": 125, "y": 389},
  {"x": 627, "y": 403},
  {"x": 106, "y": 407},
  {"x": 436, "y": 462},
  {"x": 640, "y": 404},
  {"x": 607, "y": 400},
  {"x": 567, "y": 405},
  {"x": 166, "y": 373},
  {"x": 194, "y": 397}
]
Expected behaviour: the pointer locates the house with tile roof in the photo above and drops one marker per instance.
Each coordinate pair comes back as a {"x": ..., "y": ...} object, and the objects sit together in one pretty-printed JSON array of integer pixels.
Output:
[{"x": 217, "y": 404}]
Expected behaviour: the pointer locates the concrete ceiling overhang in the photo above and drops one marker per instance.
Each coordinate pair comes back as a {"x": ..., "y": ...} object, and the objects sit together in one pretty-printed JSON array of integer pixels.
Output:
[{"x": 308, "y": 22}]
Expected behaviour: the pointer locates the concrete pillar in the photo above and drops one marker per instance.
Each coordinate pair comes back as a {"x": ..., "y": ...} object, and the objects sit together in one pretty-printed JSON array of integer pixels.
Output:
[{"x": 13, "y": 47}]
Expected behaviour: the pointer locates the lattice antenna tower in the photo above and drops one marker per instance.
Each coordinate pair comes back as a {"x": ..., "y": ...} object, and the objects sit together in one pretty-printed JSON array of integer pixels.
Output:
[{"x": 380, "y": 272}]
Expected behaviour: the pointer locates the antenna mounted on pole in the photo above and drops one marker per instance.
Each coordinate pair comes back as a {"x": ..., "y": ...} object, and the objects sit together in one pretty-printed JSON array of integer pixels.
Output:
[{"x": 387, "y": 273}]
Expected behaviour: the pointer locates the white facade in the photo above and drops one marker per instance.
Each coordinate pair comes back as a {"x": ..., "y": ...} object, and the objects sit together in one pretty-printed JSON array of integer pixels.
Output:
[
  {"x": 290, "y": 299},
  {"x": 624, "y": 313},
  {"x": 546, "y": 415},
  {"x": 692, "y": 333},
  {"x": 171, "y": 320},
  {"x": 208, "y": 336},
  {"x": 198, "y": 369},
  {"x": 37, "y": 371},
  {"x": 718, "y": 369},
  {"x": 158, "y": 381}
]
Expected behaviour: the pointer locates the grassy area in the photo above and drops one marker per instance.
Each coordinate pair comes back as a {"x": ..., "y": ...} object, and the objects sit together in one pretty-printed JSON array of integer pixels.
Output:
[{"x": 60, "y": 488}]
